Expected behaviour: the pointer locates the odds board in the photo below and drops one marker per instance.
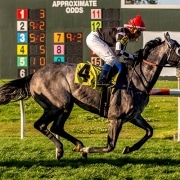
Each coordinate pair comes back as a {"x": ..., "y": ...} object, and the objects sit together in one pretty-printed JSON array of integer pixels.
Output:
[{"x": 34, "y": 33}]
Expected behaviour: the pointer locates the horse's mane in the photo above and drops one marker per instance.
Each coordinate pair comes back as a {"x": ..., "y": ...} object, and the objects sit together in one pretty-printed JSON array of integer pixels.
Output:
[{"x": 149, "y": 46}]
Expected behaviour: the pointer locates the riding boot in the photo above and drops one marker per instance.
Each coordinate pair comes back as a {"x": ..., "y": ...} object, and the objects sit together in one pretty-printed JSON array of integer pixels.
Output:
[
  {"x": 104, "y": 76},
  {"x": 118, "y": 66},
  {"x": 118, "y": 69}
]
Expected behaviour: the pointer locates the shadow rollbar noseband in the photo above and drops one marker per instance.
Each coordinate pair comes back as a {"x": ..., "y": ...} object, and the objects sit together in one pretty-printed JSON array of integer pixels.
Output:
[{"x": 173, "y": 55}]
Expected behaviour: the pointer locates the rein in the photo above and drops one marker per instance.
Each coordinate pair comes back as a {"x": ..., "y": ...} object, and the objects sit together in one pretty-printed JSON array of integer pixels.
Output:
[
  {"x": 146, "y": 61},
  {"x": 158, "y": 65},
  {"x": 149, "y": 63},
  {"x": 154, "y": 64}
]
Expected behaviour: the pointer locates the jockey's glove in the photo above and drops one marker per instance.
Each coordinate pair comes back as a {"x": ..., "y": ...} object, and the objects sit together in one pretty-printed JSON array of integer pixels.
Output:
[{"x": 131, "y": 57}]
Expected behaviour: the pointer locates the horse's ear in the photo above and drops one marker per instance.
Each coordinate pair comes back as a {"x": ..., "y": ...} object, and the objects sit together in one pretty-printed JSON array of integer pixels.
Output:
[
  {"x": 168, "y": 39},
  {"x": 167, "y": 36}
]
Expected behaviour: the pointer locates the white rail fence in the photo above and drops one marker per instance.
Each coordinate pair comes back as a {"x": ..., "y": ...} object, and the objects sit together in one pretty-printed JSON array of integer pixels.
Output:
[{"x": 154, "y": 92}]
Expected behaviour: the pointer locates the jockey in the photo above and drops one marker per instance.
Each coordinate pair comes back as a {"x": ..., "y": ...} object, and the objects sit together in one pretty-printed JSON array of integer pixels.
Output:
[{"x": 103, "y": 40}]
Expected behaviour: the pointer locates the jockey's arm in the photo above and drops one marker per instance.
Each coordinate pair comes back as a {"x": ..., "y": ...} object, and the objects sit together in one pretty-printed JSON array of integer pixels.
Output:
[{"x": 120, "y": 48}]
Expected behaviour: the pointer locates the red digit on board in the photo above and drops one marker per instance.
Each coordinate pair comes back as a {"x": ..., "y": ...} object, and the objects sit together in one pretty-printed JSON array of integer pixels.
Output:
[
  {"x": 95, "y": 13},
  {"x": 98, "y": 14},
  {"x": 22, "y": 13}
]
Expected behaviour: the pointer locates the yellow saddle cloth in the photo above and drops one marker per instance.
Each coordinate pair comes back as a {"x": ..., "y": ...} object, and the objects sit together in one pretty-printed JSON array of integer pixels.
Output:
[{"x": 87, "y": 74}]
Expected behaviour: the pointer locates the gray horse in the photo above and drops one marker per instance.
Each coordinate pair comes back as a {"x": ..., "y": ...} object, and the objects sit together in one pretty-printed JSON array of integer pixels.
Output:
[{"x": 53, "y": 88}]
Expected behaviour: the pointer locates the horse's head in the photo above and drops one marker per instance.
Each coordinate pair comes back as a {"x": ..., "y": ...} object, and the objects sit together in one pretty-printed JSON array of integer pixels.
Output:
[
  {"x": 155, "y": 55},
  {"x": 173, "y": 53}
]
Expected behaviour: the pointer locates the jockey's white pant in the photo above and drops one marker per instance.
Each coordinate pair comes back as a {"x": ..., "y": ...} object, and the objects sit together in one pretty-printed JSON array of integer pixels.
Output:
[{"x": 98, "y": 46}]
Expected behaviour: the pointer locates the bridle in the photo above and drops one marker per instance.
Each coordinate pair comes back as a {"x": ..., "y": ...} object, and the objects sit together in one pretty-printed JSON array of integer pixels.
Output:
[
  {"x": 149, "y": 63},
  {"x": 172, "y": 48},
  {"x": 168, "y": 53},
  {"x": 154, "y": 64}
]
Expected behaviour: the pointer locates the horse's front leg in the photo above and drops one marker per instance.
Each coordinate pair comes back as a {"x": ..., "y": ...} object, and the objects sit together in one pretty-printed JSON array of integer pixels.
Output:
[
  {"x": 113, "y": 133},
  {"x": 140, "y": 122}
]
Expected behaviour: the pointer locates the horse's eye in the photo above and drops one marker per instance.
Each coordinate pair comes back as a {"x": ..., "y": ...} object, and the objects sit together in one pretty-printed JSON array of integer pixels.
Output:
[{"x": 178, "y": 51}]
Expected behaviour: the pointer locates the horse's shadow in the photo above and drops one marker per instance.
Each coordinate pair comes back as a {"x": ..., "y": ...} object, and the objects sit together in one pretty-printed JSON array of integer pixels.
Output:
[{"x": 75, "y": 163}]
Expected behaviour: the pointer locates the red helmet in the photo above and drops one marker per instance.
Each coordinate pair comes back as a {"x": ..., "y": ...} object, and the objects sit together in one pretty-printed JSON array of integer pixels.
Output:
[{"x": 136, "y": 22}]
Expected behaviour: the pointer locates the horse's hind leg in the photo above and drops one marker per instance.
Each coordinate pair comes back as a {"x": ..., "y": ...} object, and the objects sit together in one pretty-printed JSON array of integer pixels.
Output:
[
  {"x": 58, "y": 128},
  {"x": 115, "y": 126},
  {"x": 42, "y": 124},
  {"x": 140, "y": 122}
]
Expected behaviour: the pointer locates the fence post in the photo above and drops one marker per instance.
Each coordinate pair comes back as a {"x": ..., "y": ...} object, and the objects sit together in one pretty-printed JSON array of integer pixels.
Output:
[
  {"x": 178, "y": 79},
  {"x": 22, "y": 119}
]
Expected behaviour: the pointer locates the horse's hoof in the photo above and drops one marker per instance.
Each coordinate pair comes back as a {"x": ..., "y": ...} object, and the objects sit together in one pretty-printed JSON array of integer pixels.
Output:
[
  {"x": 126, "y": 150},
  {"x": 59, "y": 154},
  {"x": 84, "y": 155},
  {"x": 77, "y": 148}
]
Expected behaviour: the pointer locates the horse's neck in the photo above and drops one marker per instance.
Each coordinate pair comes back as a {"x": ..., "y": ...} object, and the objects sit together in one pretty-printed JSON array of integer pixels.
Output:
[{"x": 145, "y": 75}]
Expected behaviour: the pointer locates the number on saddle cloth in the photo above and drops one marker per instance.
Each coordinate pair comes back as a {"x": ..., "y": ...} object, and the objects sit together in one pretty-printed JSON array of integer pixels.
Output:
[
  {"x": 87, "y": 74},
  {"x": 84, "y": 72}
]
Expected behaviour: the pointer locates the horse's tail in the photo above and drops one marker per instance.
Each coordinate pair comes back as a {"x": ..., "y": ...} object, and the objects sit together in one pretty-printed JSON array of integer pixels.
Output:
[{"x": 15, "y": 90}]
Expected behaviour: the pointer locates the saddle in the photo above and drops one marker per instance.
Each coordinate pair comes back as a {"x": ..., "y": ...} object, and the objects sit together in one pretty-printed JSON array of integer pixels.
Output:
[{"x": 87, "y": 74}]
